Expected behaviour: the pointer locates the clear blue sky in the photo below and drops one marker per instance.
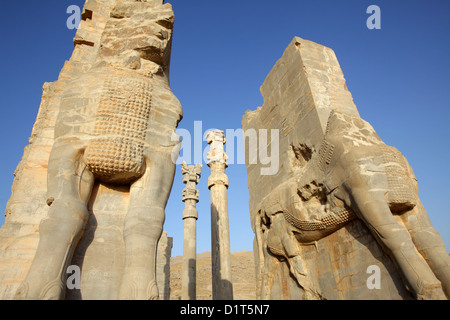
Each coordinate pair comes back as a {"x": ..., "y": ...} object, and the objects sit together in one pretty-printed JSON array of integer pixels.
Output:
[{"x": 222, "y": 52}]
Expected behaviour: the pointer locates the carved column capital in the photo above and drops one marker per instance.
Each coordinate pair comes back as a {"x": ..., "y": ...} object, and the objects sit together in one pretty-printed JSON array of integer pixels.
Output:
[
  {"x": 191, "y": 177},
  {"x": 191, "y": 173},
  {"x": 190, "y": 194},
  {"x": 216, "y": 139}
]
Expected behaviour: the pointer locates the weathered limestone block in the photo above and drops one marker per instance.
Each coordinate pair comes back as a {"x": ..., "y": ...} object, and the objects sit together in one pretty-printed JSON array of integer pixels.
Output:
[
  {"x": 92, "y": 186},
  {"x": 342, "y": 202}
]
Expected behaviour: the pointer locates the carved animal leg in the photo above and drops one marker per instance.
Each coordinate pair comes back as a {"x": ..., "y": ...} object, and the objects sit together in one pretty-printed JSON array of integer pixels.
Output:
[
  {"x": 143, "y": 228},
  {"x": 296, "y": 264},
  {"x": 69, "y": 189},
  {"x": 429, "y": 243},
  {"x": 396, "y": 238},
  {"x": 270, "y": 263},
  {"x": 281, "y": 238},
  {"x": 258, "y": 248}
]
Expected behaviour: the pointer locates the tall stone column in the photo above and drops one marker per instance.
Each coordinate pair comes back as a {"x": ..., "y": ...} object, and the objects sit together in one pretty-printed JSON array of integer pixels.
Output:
[
  {"x": 222, "y": 287},
  {"x": 191, "y": 177}
]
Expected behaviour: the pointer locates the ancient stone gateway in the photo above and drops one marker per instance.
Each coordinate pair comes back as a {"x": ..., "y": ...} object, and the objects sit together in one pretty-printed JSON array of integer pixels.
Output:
[
  {"x": 342, "y": 202},
  {"x": 105, "y": 132},
  {"x": 92, "y": 186}
]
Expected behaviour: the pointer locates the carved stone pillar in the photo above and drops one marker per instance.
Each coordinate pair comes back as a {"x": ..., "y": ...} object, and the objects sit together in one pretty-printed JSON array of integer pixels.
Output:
[
  {"x": 222, "y": 287},
  {"x": 191, "y": 177}
]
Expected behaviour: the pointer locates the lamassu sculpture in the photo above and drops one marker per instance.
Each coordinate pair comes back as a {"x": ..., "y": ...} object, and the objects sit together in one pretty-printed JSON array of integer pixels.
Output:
[
  {"x": 354, "y": 175},
  {"x": 115, "y": 125},
  {"x": 341, "y": 201}
]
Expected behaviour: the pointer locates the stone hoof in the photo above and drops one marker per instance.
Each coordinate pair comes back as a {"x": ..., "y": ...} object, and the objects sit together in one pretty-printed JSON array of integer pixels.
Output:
[
  {"x": 303, "y": 280},
  {"x": 22, "y": 291},
  {"x": 132, "y": 292},
  {"x": 129, "y": 291},
  {"x": 431, "y": 292},
  {"x": 52, "y": 291},
  {"x": 152, "y": 291},
  {"x": 312, "y": 294}
]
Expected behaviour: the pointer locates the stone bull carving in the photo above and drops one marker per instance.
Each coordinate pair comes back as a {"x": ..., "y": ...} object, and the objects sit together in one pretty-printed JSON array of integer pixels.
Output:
[
  {"x": 115, "y": 125},
  {"x": 354, "y": 175}
]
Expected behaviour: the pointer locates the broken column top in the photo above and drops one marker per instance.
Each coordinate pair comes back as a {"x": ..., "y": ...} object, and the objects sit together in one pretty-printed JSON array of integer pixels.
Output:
[
  {"x": 216, "y": 139},
  {"x": 323, "y": 73}
]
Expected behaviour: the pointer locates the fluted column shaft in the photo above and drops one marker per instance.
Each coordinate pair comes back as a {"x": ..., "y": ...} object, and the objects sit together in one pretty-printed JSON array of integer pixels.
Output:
[
  {"x": 222, "y": 287},
  {"x": 191, "y": 177}
]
